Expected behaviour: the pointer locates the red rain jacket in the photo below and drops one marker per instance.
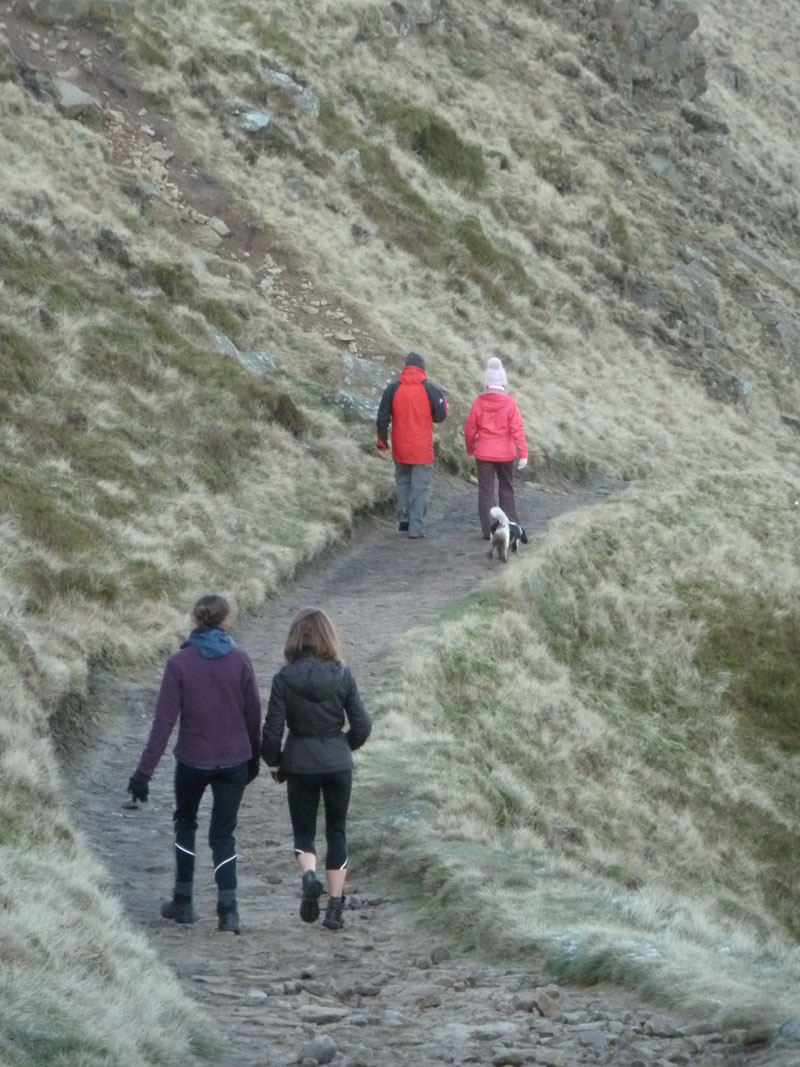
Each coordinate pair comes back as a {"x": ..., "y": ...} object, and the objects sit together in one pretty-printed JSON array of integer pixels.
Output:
[
  {"x": 411, "y": 405},
  {"x": 493, "y": 430}
]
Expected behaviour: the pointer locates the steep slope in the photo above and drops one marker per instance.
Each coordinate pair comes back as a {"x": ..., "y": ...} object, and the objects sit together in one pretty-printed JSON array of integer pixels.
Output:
[{"x": 209, "y": 264}]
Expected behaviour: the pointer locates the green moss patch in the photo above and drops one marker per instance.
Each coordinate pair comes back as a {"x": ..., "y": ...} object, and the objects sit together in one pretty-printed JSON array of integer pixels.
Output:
[
  {"x": 21, "y": 361},
  {"x": 757, "y": 643},
  {"x": 435, "y": 141},
  {"x": 48, "y": 513}
]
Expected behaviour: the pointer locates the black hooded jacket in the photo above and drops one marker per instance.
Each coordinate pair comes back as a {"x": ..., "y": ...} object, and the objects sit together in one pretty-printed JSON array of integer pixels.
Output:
[{"x": 314, "y": 698}]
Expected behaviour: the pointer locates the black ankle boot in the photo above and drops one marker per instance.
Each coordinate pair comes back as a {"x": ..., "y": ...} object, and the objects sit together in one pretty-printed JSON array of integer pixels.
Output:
[
  {"x": 228, "y": 918},
  {"x": 309, "y": 905},
  {"x": 179, "y": 909},
  {"x": 333, "y": 913}
]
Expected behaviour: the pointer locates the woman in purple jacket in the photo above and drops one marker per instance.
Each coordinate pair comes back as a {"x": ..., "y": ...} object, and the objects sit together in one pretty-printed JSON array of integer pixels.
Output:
[{"x": 210, "y": 689}]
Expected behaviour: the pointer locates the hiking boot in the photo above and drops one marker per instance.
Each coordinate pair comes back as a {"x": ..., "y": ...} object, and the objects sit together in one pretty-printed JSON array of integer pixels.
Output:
[
  {"x": 228, "y": 918},
  {"x": 333, "y": 913},
  {"x": 309, "y": 905},
  {"x": 179, "y": 909}
]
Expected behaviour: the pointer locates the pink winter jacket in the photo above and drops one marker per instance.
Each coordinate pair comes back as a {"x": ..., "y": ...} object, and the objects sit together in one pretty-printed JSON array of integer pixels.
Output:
[{"x": 493, "y": 430}]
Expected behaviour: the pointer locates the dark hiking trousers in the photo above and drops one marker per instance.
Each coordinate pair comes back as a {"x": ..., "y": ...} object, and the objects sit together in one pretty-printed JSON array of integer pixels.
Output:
[
  {"x": 227, "y": 788},
  {"x": 303, "y": 793},
  {"x": 487, "y": 473}
]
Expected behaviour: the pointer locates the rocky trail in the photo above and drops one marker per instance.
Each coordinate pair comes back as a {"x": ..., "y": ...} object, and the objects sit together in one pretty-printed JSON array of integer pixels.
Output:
[{"x": 380, "y": 993}]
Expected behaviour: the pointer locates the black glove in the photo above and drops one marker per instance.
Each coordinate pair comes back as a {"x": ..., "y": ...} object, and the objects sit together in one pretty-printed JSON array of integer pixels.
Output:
[
  {"x": 138, "y": 786},
  {"x": 278, "y": 775},
  {"x": 253, "y": 767}
]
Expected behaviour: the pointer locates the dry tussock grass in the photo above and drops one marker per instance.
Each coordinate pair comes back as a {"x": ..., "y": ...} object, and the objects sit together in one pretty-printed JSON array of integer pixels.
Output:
[
  {"x": 66, "y": 948},
  {"x": 603, "y": 777},
  {"x": 590, "y": 739}
]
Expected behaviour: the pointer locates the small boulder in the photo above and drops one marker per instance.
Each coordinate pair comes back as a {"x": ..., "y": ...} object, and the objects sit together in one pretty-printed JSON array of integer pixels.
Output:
[
  {"x": 319, "y": 1050},
  {"x": 72, "y": 101}
]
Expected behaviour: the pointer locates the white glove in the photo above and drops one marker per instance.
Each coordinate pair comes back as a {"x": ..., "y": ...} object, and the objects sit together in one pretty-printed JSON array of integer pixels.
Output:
[{"x": 523, "y": 463}]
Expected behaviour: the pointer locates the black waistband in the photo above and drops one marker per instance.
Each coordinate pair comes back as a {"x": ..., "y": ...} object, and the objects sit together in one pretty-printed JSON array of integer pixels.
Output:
[{"x": 306, "y": 737}]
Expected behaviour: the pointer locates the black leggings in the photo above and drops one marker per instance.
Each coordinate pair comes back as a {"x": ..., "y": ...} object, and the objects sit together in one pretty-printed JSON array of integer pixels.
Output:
[
  {"x": 303, "y": 792},
  {"x": 227, "y": 787}
]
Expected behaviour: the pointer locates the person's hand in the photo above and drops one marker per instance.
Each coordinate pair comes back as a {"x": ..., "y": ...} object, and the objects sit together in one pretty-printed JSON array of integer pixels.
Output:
[
  {"x": 381, "y": 447},
  {"x": 138, "y": 786},
  {"x": 523, "y": 463},
  {"x": 278, "y": 774},
  {"x": 253, "y": 767}
]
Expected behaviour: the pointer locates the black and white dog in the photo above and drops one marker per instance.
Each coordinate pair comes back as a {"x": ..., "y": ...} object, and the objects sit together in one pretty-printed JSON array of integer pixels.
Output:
[{"x": 505, "y": 534}]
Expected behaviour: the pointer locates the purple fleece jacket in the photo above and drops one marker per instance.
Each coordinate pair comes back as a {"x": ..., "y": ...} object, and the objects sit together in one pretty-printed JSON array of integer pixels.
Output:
[{"x": 218, "y": 708}]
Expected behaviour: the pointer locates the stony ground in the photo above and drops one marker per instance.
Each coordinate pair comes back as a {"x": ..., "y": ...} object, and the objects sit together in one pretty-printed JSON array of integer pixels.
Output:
[{"x": 381, "y": 992}]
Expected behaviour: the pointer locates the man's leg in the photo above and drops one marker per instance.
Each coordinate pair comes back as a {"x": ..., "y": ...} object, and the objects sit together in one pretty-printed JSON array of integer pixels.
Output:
[
  {"x": 402, "y": 486},
  {"x": 505, "y": 488},
  {"x": 485, "y": 494},
  {"x": 418, "y": 498}
]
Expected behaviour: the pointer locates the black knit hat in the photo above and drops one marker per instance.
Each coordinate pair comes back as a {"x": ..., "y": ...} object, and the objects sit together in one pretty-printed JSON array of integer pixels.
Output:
[{"x": 414, "y": 359}]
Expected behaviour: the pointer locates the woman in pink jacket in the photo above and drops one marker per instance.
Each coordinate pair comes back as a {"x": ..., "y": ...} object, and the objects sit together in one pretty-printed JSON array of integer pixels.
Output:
[{"x": 495, "y": 436}]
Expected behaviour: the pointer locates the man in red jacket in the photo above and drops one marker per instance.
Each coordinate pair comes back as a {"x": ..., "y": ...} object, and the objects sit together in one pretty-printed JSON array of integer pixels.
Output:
[{"x": 412, "y": 405}]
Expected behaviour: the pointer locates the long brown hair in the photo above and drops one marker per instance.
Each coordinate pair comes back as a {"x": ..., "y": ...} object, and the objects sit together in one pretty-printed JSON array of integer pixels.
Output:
[{"x": 312, "y": 633}]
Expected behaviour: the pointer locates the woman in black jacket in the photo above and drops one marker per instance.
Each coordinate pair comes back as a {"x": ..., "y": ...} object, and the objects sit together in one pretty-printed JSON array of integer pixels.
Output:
[{"x": 312, "y": 696}]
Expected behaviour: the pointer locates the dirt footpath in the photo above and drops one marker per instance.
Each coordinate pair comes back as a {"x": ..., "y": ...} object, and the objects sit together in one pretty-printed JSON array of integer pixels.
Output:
[{"x": 379, "y": 993}]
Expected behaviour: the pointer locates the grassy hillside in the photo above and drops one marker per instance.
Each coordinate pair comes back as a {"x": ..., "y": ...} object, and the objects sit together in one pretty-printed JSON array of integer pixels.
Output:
[
  {"x": 607, "y": 199},
  {"x": 602, "y": 755}
]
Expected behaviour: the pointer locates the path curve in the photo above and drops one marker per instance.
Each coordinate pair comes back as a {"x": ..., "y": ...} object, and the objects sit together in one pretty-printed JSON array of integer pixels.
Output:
[{"x": 380, "y": 990}]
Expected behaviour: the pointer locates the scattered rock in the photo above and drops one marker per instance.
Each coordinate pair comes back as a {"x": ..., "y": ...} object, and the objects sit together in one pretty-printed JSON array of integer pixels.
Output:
[
  {"x": 546, "y": 1005},
  {"x": 253, "y": 121},
  {"x": 510, "y": 1057},
  {"x": 72, "y": 101},
  {"x": 218, "y": 227},
  {"x": 788, "y": 1033},
  {"x": 319, "y": 1050},
  {"x": 549, "y": 1057},
  {"x": 660, "y": 1026},
  {"x": 303, "y": 98},
  {"x": 319, "y": 1015}
]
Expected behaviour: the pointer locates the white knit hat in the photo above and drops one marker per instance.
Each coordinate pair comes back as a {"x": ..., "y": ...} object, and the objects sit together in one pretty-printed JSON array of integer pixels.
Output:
[{"x": 495, "y": 376}]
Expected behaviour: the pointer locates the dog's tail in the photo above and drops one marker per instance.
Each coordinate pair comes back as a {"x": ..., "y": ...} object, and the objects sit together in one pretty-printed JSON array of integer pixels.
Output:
[{"x": 499, "y": 516}]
